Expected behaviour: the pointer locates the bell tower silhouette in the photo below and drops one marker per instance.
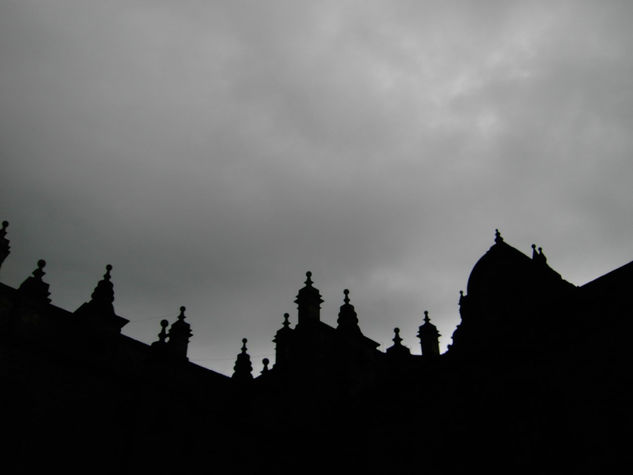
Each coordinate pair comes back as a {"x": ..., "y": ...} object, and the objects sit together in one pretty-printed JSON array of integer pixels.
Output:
[{"x": 308, "y": 303}]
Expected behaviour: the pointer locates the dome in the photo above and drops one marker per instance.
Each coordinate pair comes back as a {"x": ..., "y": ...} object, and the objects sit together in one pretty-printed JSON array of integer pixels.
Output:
[{"x": 502, "y": 268}]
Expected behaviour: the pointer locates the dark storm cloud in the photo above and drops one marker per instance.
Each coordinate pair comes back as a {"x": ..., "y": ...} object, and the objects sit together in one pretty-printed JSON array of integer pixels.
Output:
[{"x": 215, "y": 151}]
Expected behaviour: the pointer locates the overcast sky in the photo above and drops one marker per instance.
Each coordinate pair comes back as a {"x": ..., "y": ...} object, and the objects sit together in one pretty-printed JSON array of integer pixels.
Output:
[{"x": 214, "y": 151}]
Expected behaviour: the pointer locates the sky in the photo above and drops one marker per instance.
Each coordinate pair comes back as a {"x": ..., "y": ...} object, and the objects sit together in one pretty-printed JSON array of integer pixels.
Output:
[{"x": 215, "y": 151}]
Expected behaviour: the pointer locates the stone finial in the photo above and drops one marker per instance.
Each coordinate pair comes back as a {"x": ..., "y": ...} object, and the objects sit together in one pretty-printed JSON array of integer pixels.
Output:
[
  {"x": 308, "y": 302},
  {"x": 498, "y": 237},
  {"x": 242, "y": 371},
  {"x": 179, "y": 334},
  {"x": 103, "y": 294},
  {"x": 429, "y": 337},
  {"x": 162, "y": 336},
  {"x": 286, "y": 322},
  {"x": 347, "y": 317},
  {"x": 397, "y": 339},
  {"x": 397, "y": 350},
  {"x": 34, "y": 287},
  {"x": 265, "y": 362}
]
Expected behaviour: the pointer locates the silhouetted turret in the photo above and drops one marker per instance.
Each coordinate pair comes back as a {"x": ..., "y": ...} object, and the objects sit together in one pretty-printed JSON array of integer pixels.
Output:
[
  {"x": 179, "y": 334},
  {"x": 397, "y": 350},
  {"x": 100, "y": 309},
  {"x": 34, "y": 287},
  {"x": 347, "y": 318},
  {"x": 282, "y": 343},
  {"x": 242, "y": 371},
  {"x": 429, "y": 338},
  {"x": 308, "y": 303},
  {"x": 5, "y": 249}
]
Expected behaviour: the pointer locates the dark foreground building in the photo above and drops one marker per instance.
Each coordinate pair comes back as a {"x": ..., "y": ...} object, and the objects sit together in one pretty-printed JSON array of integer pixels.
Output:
[{"x": 537, "y": 380}]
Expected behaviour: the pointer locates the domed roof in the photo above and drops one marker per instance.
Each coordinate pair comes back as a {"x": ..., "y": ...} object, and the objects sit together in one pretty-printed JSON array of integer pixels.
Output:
[{"x": 502, "y": 266}]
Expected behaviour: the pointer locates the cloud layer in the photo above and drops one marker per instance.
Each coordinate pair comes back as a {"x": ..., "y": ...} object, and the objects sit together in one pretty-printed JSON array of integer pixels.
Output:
[{"x": 215, "y": 151}]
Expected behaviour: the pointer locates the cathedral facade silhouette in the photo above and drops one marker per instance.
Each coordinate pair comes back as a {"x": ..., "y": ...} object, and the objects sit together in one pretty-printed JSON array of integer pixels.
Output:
[{"x": 537, "y": 380}]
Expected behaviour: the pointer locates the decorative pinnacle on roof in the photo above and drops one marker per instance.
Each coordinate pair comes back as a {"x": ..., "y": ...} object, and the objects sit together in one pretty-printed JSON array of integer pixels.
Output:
[
  {"x": 34, "y": 286},
  {"x": 427, "y": 326},
  {"x": 286, "y": 322},
  {"x": 308, "y": 302},
  {"x": 498, "y": 238},
  {"x": 243, "y": 368},
  {"x": 3, "y": 231},
  {"x": 397, "y": 339},
  {"x": 265, "y": 362},
  {"x": 429, "y": 337},
  {"x": 347, "y": 318},
  {"x": 103, "y": 294},
  {"x": 397, "y": 349},
  {"x": 162, "y": 336},
  {"x": 179, "y": 333}
]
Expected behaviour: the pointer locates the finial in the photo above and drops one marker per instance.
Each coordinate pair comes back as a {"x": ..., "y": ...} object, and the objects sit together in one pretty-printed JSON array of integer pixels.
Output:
[
  {"x": 286, "y": 323},
  {"x": 346, "y": 299},
  {"x": 308, "y": 278},
  {"x": 498, "y": 237},
  {"x": 265, "y": 362},
  {"x": 182, "y": 313},
  {"x": 34, "y": 285},
  {"x": 107, "y": 275},
  {"x": 426, "y": 316},
  {"x": 244, "y": 340},
  {"x": 39, "y": 272},
  {"x": 3, "y": 231},
  {"x": 396, "y": 338},
  {"x": 461, "y": 297},
  {"x": 162, "y": 336}
]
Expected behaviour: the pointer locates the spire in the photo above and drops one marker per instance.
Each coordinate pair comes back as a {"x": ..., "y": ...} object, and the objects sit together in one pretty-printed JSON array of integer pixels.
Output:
[
  {"x": 100, "y": 308},
  {"x": 242, "y": 371},
  {"x": 397, "y": 349},
  {"x": 34, "y": 287},
  {"x": 179, "y": 335},
  {"x": 308, "y": 302},
  {"x": 347, "y": 318},
  {"x": 429, "y": 338},
  {"x": 282, "y": 342},
  {"x": 160, "y": 346},
  {"x": 162, "y": 336},
  {"x": 5, "y": 249},
  {"x": 498, "y": 238},
  {"x": 265, "y": 362},
  {"x": 103, "y": 294}
]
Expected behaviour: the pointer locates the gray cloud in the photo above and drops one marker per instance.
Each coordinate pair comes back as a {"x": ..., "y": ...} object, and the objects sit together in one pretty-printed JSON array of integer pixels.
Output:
[{"x": 215, "y": 151}]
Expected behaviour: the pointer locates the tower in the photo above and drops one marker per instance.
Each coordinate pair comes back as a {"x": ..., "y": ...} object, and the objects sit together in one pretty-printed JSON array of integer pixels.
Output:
[
  {"x": 308, "y": 303},
  {"x": 429, "y": 338},
  {"x": 179, "y": 334}
]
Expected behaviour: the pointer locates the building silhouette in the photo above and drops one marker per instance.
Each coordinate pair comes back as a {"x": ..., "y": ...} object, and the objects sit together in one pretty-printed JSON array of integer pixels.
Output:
[{"x": 537, "y": 380}]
